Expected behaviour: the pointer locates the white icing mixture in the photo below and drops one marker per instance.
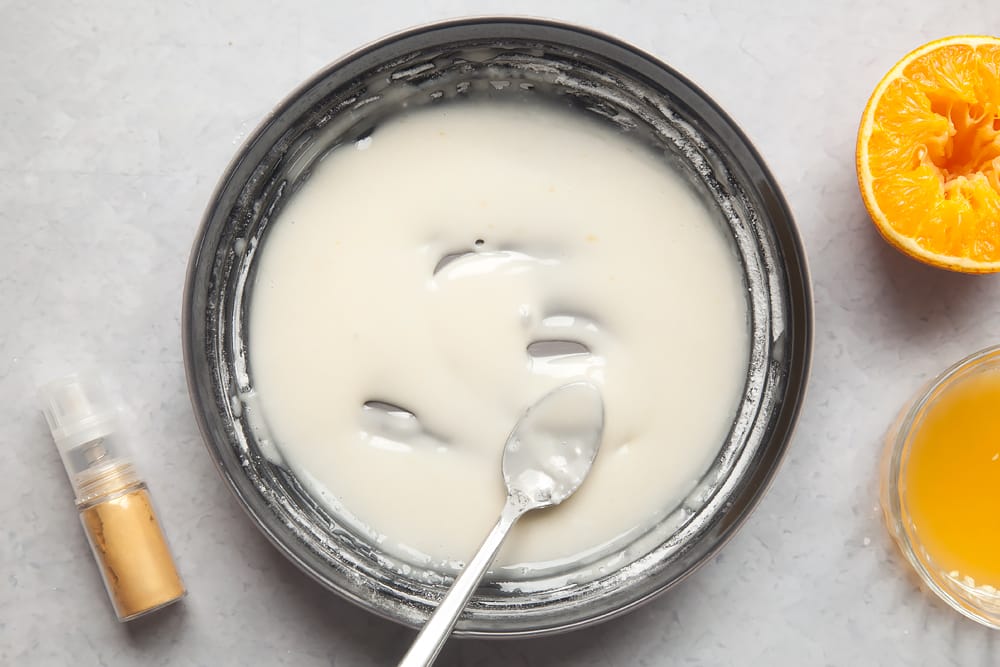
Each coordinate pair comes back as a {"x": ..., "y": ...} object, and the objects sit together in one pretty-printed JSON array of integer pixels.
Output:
[{"x": 406, "y": 300}]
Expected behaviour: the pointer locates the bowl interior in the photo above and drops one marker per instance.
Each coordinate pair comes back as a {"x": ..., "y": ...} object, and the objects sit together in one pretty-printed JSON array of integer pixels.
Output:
[{"x": 492, "y": 59}]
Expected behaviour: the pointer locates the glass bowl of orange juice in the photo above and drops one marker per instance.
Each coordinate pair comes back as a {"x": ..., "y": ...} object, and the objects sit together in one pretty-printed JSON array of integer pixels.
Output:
[{"x": 941, "y": 485}]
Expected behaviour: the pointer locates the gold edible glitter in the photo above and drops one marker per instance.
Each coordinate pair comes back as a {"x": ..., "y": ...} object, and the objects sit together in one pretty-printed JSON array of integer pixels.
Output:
[
  {"x": 113, "y": 501},
  {"x": 135, "y": 561}
]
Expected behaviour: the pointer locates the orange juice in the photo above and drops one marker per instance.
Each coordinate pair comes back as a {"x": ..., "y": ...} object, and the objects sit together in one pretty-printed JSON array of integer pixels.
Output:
[{"x": 950, "y": 482}]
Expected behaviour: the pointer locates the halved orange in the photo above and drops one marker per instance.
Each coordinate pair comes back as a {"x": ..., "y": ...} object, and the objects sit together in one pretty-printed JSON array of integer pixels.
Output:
[{"x": 928, "y": 154}]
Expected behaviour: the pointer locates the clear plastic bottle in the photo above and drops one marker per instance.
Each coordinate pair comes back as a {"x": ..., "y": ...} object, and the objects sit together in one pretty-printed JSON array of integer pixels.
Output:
[{"x": 114, "y": 504}]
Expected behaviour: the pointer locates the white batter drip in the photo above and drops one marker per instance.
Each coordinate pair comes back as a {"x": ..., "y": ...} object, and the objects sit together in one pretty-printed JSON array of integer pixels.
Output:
[{"x": 415, "y": 268}]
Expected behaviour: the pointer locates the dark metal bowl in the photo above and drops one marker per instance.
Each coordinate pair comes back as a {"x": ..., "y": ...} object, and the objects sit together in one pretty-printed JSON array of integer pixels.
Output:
[{"x": 491, "y": 58}]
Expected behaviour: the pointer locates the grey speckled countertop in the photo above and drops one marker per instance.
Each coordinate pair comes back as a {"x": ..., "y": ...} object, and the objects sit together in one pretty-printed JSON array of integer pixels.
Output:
[{"x": 116, "y": 119}]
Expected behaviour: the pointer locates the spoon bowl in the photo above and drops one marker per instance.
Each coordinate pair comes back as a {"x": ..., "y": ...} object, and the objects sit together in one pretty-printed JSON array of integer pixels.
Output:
[{"x": 553, "y": 446}]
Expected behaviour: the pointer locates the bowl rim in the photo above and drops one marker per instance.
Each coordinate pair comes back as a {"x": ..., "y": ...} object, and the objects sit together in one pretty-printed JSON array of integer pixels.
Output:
[{"x": 789, "y": 243}]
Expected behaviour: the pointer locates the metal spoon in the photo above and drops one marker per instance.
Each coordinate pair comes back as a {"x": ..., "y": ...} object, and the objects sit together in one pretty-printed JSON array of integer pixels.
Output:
[{"x": 546, "y": 457}]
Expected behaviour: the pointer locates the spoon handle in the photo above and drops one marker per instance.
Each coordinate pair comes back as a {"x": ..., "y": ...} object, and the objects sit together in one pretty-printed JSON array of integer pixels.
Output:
[{"x": 434, "y": 634}]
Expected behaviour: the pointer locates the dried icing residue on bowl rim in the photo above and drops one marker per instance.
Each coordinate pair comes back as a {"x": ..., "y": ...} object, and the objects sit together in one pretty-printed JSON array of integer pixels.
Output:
[{"x": 591, "y": 73}]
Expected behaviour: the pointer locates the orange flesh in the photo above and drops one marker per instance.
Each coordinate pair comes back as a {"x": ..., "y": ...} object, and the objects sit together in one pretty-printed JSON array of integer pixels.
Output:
[
  {"x": 934, "y": 152},
  {"x": 951, "y": 482}
]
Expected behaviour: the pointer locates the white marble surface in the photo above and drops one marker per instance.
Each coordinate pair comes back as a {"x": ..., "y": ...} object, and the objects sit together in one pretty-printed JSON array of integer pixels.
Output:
[{"x": 117, "y": 117}]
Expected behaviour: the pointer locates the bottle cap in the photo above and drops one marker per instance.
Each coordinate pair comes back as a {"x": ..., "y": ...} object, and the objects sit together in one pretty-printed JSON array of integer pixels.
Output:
[
  {"x": 77, "y": 412},
  {"x": 82, "y": 421}
]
